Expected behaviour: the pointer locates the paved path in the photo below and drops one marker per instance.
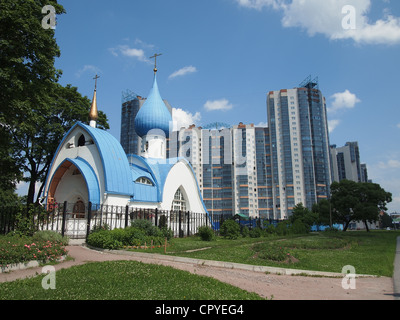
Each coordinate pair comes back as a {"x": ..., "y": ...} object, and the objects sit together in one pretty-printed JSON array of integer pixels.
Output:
[{"x": 281, "y": 286}]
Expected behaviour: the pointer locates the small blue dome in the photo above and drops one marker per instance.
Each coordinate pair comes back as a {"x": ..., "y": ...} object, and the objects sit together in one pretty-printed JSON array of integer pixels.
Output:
[{"x": 153, "y": 114}]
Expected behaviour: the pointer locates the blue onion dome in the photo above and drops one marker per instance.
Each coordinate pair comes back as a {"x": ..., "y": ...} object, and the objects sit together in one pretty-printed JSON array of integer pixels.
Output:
[{"x": 153, "y": 114}]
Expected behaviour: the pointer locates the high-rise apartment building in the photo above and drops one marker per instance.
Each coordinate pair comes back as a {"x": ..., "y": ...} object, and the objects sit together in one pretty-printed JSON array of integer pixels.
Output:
[
  {"x": 346, "y": 163},
  {"x": 299, "y": 143},
  {"x": 232, "y": 166}
]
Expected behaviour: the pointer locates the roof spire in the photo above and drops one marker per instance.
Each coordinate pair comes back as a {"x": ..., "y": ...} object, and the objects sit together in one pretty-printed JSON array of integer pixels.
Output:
[
  {"x": 93, "y": 115},
  {"x": 155, "y": 61}
]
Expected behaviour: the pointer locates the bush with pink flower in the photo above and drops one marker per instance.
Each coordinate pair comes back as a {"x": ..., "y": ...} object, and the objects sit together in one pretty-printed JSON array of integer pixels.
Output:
[{"x": 16, "y": 249}]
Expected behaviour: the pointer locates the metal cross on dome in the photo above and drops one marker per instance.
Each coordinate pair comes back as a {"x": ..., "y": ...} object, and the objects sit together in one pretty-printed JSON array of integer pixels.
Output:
[
  {"x": 95, "y": 83},
  {"x": 155, "y": 60}
]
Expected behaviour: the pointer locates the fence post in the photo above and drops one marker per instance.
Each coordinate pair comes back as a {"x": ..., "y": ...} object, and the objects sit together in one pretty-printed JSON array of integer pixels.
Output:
[
  {"x": 156, "y": 217},
  {"x": 126, "y": 215},
  {"x": 88, "y": 220},
  {"x": 180, "y": 225},
  {"x": 188, "y": 224},
  {"x": 64, "y": 217}
]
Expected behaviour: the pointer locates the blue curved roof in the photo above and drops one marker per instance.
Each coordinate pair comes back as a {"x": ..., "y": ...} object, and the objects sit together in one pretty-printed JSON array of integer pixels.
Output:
[
  {"x": 153, "y": 114},
  {"x": 117, "y": 172}
]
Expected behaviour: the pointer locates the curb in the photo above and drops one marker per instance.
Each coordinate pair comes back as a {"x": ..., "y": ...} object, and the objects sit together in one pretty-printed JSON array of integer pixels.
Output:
[
  {"x": 229, "y": 265},
  {"x": 26, "y": 265}
]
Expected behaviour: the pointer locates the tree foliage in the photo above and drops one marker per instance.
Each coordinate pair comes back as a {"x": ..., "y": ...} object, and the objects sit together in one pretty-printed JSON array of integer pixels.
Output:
[
  {"x": 36, "y": 111},
  {"x": 358, "y": 201},
  {"x": 304, "y": 215}
]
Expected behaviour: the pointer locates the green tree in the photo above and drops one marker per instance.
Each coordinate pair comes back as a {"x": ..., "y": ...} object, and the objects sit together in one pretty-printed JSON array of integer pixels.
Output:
[
  {"x": 304, "y": 215},
  {"x": 36, "y": 110},
  {"x": 324, "y": 211},
  {"x": 358, "y": 201},
  {"x": 386, "y": 221}
]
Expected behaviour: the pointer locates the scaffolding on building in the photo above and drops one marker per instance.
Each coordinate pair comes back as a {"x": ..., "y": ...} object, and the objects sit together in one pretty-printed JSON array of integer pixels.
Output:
[
  {"x": 310, "y": 83},
  {"x": 128, "y": 95}
]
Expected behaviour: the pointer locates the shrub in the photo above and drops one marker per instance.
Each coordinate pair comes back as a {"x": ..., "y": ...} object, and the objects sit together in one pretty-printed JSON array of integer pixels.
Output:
[
  {"x": 282, "y": 228},
  {"x": 147, "y": 227},
  {"x": 270, "y": 229},
  {"x": 256, "y": 233},
  {"x": 272, "y": 252},
  {"x": 298, "y": 227},
  {"x": 167, "y": 233},
  {"x": 52, "y": 236},
  {"x": 206, "y": 233},
  {"x": 23, "y": 249},
  {"x": 141, "y": 232},
  {"x": 245, "y": 231},
  {"x": 104, "y": 239},
  {"x": 230, "y": 229}
]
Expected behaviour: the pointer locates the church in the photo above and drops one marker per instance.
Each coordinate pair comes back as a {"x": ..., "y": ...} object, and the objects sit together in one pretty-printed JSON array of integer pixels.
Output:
[{"x": 90, "y": 165}]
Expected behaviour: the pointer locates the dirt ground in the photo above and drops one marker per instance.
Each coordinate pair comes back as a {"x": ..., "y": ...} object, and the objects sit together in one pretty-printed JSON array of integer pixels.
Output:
[{"x": 278, "y": 287}]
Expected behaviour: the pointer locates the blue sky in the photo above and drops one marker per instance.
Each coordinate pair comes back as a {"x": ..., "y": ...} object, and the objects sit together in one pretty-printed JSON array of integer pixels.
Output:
[{"x": 221, "y": 57}]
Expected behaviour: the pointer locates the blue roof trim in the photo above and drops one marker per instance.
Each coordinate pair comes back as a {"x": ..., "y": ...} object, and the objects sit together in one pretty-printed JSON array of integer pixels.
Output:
[
  {"x": 55, "y": 156},
  {"x": 138, "y": 172},
  {"x": 90, "y": 177}
]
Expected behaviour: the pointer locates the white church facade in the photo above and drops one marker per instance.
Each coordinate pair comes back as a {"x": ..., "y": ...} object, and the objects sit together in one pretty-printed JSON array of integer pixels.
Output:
[{"x": 90, "y": 166}]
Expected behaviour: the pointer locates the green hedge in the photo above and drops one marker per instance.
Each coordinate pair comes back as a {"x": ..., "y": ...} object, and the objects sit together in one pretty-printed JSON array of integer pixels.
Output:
[{"x": 141, "y": 232}]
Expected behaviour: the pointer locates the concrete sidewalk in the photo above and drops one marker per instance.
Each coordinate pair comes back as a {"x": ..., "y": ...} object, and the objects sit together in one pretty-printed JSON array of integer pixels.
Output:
[{"x": 396, "y": 274}]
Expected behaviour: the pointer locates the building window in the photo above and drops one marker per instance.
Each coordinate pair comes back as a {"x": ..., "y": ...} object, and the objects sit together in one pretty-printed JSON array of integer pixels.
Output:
[
  {"x": 81, "y": 141},
  {"x": 143, "y": 180},
  {"x": 179, "y": 202}
]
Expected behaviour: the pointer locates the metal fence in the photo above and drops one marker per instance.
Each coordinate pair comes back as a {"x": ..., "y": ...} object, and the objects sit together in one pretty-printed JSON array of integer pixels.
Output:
[{"x": 77, "y": 220}]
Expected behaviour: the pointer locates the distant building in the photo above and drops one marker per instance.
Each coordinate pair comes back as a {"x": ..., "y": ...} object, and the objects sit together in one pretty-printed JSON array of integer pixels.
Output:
[
  {"x": 346, "y": 163},
  {"x": 232, "y": 166}
]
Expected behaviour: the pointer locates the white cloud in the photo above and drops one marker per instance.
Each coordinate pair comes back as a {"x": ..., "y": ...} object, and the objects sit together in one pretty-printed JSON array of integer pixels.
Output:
[
  {"x": 262, "y": 125},
  {"x": 182, "y": 118},
  {"x": 390, "y": 164},
  {"x": 333, "y": 124},
  {"x": 222, "y": 104},
  {"x": 333, "y": 19},
  {"x": 343, "y": 100},
  {"x": 259, "y": 4},
  {"x": 88, "y": 68},
  {"x": 127, "y": 51},
  {"x": 398, "y": 125},
  {"x": 183, "y": 71}
]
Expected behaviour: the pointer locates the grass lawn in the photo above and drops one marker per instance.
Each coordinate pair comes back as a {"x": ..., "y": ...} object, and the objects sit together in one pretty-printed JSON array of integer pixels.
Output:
[
  {"x": 369, "y": 252},
  {"x": 124, "y": 280}
]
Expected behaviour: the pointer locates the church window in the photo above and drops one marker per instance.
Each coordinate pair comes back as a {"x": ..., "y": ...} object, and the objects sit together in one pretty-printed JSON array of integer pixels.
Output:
[
  {"x": 81, "y": 141},
  {"x": 143, "y": 180},
  {"x": 179, "y": 202}
]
